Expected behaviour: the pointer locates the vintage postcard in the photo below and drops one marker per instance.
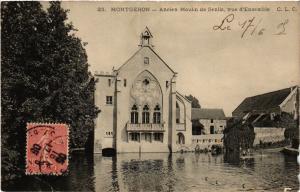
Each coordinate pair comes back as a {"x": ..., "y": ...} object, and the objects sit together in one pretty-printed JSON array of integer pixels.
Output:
[{"x": 150, "y": 96}]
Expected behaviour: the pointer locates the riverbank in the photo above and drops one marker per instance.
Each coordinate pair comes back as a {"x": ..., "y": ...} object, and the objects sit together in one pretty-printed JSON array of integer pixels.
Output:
[
  {"x": 287, "y": 150},
  {"x": 273, "y": 149},
  {"x": 77, "y": 149},
  {"x": 271, "y": 145},
  {"x": 290, "y": 151}
]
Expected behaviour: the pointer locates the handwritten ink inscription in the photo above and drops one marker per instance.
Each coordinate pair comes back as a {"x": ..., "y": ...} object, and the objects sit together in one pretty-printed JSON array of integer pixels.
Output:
[
  {"x": 250, "y": 27},
  {"x": 47, "y": 149}
]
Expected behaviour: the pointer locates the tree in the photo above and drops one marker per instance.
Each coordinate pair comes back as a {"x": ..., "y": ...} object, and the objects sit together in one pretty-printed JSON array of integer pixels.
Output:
[
  {"x": 291, "y": 132},
  {"x": 194, "y": 100},
  {"x": 22, "y": 24},
  {"x": 238, "y": 135},
  {"x": 45, "y": 78},
  {"x": 72, "y": 84}
]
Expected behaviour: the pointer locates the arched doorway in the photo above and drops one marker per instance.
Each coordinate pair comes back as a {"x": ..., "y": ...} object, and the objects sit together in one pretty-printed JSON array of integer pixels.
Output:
[
  {"x": 180, "y": 138},
  {"x": 108, "y": 152}
]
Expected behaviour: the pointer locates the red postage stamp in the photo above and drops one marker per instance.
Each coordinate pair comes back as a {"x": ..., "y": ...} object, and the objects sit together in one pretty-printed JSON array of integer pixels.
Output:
[{"x": 47, "y": 149}]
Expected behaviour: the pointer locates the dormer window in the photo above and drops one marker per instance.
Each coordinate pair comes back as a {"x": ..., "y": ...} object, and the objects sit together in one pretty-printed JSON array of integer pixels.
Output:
[{"x": 146, "y": 60}]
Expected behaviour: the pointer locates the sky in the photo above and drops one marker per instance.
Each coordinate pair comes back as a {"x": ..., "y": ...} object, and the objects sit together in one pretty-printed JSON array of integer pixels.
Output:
[{"x": 218, "y": 67}]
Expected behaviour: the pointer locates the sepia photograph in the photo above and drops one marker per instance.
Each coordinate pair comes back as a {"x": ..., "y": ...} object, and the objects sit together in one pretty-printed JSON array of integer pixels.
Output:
[{"x": 147, "y": 96}]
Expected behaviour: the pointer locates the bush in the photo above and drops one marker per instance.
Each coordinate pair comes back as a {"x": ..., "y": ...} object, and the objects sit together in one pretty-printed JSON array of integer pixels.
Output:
[{"x": 238, "y": 135}]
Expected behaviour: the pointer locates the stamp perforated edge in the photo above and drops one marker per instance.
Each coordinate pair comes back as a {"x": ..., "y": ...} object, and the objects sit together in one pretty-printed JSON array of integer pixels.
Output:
[{"x": 68, "y": 140}]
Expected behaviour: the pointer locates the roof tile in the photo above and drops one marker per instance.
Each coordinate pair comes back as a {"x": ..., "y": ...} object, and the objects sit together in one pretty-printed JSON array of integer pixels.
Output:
[{"x": 200, "y": 113}]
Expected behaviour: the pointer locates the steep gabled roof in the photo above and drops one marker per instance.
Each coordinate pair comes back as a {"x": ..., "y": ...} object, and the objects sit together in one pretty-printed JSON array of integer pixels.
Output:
[
  {"x": 179, "y": 94},
  {"x": 129, "y": 59},
  {"x": 263, "y": 102},
  {"x": 153, "y": 52},
  {"x": 162, "y": 60},
  {"x": 200, "y": 113},
  {"x": 146, "y": 30}
]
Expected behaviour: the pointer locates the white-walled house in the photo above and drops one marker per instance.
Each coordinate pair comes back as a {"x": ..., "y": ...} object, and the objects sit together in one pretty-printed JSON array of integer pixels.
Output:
[
  {"x": 207, "y": 127},
  {"x": 212, "y": 120},
  {"x": 141, "y": 109}
]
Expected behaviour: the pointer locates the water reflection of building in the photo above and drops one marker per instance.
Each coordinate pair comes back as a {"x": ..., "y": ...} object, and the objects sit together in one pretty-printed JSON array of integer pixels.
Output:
[
  {"x": 137, "y": 172},
  {"x": 141, "y": 109}
]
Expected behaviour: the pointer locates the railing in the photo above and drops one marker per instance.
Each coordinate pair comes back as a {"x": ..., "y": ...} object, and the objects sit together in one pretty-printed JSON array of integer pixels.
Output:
[
  {"x": 144, "y": 127},
  {"x": 180, "y": 127}
]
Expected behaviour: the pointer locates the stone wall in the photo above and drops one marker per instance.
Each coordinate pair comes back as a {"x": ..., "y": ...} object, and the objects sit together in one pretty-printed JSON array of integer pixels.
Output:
[
  {"x": 184, "y": 126},
  {"x": 206, "y": 141},
  {"x": 268, "y": 135},
  {"x": 104, "y": 123},
  {"x": 218, "y": 124}
]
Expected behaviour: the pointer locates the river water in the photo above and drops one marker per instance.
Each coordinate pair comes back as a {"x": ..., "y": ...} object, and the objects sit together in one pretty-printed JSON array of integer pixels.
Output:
[{"x": 268, "y": 170}]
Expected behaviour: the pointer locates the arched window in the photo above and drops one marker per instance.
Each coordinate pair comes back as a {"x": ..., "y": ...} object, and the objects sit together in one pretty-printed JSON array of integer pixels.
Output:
[
  {"x": 177, "y": 113},
  {"x": 134, "y": 115},
  {"x": 212, "y": 129},
  {"x": 180, "y": 138},
  {"x": 145, "y": 115},
  {"x": 156, "y": 115}
]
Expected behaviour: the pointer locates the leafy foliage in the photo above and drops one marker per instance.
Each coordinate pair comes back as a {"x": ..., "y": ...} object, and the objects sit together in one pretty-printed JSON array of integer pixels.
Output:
[
  {"x": 238, "y": 135},
  {"x": 287, "y": 121},
  {"x": 283, "y": 119},
  {"x": 194, "y": 100},
  {"x": 45, "y": 78}
]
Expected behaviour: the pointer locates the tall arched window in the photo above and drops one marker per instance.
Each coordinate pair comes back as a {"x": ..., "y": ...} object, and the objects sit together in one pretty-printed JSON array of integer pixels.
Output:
[
  {"x": 181, "y": 139},
  {"x": 145, "y": 115},
  {"x": 177, "y": 113},
  {"x": 212, "y": 130},
  {"x": 134, "y": 115},
  {"x": 156, "y": 115}
]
